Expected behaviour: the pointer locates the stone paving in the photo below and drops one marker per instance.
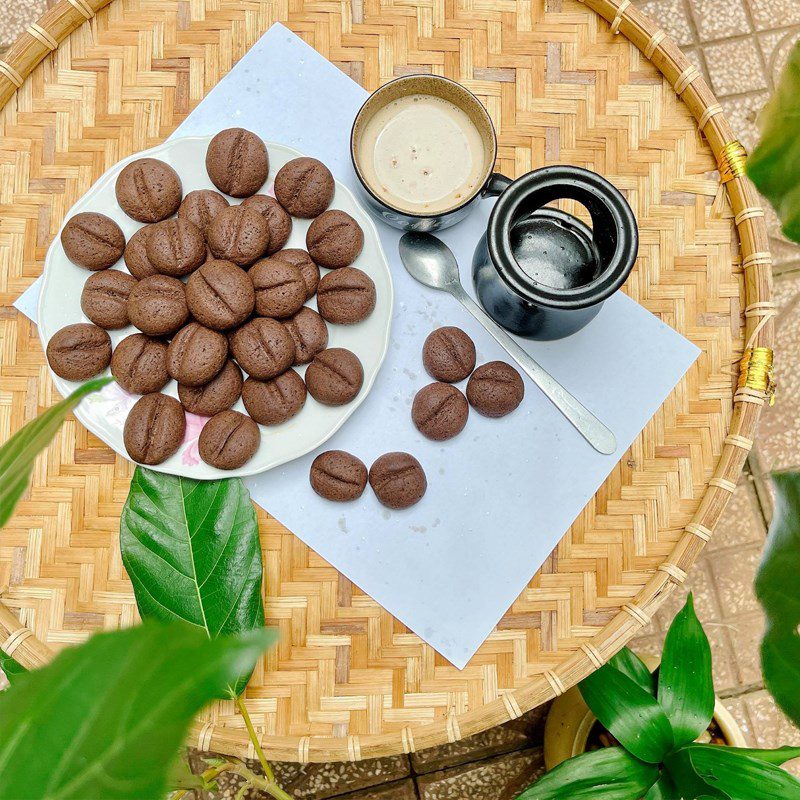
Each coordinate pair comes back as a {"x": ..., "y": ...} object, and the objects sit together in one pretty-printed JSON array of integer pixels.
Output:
[{"x": 740, "y": 46}]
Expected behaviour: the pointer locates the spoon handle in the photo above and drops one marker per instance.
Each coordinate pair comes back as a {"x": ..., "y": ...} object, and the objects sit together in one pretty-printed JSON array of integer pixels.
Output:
[{"x": 586, "y": 423}]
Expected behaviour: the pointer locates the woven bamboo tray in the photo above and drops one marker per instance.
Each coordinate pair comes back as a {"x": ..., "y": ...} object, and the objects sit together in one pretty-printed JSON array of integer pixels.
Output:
[{"x": 92, "y": 82}]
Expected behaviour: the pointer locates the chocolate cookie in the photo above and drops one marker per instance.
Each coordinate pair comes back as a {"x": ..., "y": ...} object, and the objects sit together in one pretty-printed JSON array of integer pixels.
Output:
[
  {"x": 280, "y": 289},
  {"x": 149, "y": 190},
  {"x": 263, "y": 348},
  {"x": 79, "y": 351},
  {"x": 219, "y": 394},
  {"x": 175, "y": 247},
  {"x": 304, "y": 187},
  {"x": 196, "y": 354},
  {"x": 309, "y": 333},
  {"x": 280, "y": 223},
  {"x": 220, "y": 295},
  {"x": 440, "y": 411},
  {"x": 334, "y": 377},
  {"x": 139, "y": 364},
  {"x": 398, "y": 480},
  {"x": 237, "y": 162},
  {"x": 104, "y": 298},
  {"x": 136, "y": 259},
  {"x": 302, "y": 260},
  {"x": 334, "y": 239},
  {"x": 448, "y": 354},
  {"x": 93, "y": 241},
  {"x": 276, "y": 400},
  {"x": 157, "y": 305},
  {"x": 495, "y": 389},
  {"x": 346, "y": 296},
  {"x": 337, "y": 475},
  {"x": 228, "y": 440},
  {"x": 201, "y": 206},
  {"x": 154, "y": 428},
  {"x": 238, "y": 234}
]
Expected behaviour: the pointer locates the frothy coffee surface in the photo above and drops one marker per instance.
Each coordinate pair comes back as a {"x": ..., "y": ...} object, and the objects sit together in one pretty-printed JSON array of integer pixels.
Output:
[{"x": 422, "y": 153}]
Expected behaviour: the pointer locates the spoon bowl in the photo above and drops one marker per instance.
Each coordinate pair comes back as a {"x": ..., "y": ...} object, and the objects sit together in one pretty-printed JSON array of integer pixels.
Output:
[{"x": 429, "y": 260}]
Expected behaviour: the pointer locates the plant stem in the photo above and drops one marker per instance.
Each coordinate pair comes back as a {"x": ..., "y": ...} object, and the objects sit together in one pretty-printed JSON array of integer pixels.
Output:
[
  {"x": 257, "y": 782},
  {"x": 254, "y": 739}
]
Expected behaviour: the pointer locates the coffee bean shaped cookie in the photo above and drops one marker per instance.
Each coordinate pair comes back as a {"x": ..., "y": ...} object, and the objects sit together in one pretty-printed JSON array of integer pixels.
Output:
[
  {"x": 398, "y": 480},
  {"x": 219, "y": 394},
  {"x": 154, "y": 429},
  {"x": 263, "y": 348},
  {"x": 280, "y": 223},
  {"x": 196, "y": 354},
  {"x": 139, "y": 364},
  {"x": 276, "y": 400},
  {"x": 220, "y": 295},
  {"x": 228, "y": 440},
  {"x": 79, "y": 351},
  {"x": 495, "y": 389},
  {"x": 280, "y": 289},
  {"x": 303, "y": 261},
  {"x": 157, "y": 305},
  {"x": 448, "y": 354},
  {"x": 201, "y": 206},
  {"x": 346, "y": 296},
  {"x": 93, "y": 241},
  {"x": 136, "y": 259},
  {"x": 238, "y": 234},
  {"x": 338, "y": 475},
  {"x": 334, "y": 239},
  {"x": 309, "y": 333},
  {"x": 304, "y": 187},
  {"x": 334, "y": 377},
  {"x": 237, "y": 162},
  {"x": 104, "y": 298},
  {"x": 440, "y": 411},
  {"x": 148, "y": 190},
  {"x": 175, "y": 247}
]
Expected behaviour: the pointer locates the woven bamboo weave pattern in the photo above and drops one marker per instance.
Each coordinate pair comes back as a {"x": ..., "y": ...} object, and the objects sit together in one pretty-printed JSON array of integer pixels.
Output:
[{"x": 348, "y": 681}]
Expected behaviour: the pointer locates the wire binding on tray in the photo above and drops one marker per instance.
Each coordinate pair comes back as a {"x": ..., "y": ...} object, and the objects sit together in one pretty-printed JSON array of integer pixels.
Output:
[
  {"x": 655, "y": 41},
  {"x": 83, "y": 7},
  {"x": 731, "y": 161},
  {"x": 11, "y": 74},
  {"x": 204, "y": 737},
  {"x": 615, "y": 23},
  {"x": 748, "y": 213},
  {"x": 453, "y": 728},
  {"x": 691, "y": 73},
  {"x": 555, "y": 682},
  {"x": 407, "y": 738},
  {"x": 723, "y": 483},
  {"x": 674, "y": 571},
  {"x": 637, "y": 613},
  {"x": 303, "y": 749},
  {"x": 705, "y": 117},
  {"x": 38, "y": 32},
  {"x": 594, "y": 655},
  {"x": 698, "y": 530},
  {"x": 756, "y": 376},
  {"x": 734, "y": 440},
  {"x": 754, "y": 259},
  {"x": 512, "y": 706},
  {"x": 15, "y": 639}
]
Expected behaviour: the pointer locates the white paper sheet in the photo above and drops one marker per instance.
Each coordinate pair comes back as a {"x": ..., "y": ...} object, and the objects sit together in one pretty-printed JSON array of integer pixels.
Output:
[{"x": 501, "y": 494}]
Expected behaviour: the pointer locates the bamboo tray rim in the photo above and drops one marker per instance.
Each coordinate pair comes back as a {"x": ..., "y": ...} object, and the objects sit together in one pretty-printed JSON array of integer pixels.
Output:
[{"x": 44, "y": 36}]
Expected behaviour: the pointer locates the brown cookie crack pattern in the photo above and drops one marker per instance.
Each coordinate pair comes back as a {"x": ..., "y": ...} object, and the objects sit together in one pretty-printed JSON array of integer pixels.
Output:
[{"x": 143, "y": 191}]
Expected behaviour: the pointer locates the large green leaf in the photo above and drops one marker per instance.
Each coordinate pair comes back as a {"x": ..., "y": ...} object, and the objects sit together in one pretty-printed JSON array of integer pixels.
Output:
[
  {"x": 628, "y": 662},
  {"x": 192, "y": 551},
  {"x": 739, "y": 776},
  {"x": 11, "y": 668},
  {"x": 629, "y": 712},
  {"x": 778, "y": 591},
  {"x": 19, "y": 452},
  {"x": 663, "y": 789},
  {"x": 685, "y": 685},
  {"x": 689, "y": 785},
  {"x": 774, "y": 166},
  {"x": 606, "y": 774},
  {"x": 104, "y": 720},
  {"x": 780, "y": 755}
]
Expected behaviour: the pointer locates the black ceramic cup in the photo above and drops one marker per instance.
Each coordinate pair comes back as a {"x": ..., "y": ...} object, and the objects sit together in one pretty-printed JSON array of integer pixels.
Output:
[
  {"x": 490, "y": 184},
  {"x": 543, "y": 273}
]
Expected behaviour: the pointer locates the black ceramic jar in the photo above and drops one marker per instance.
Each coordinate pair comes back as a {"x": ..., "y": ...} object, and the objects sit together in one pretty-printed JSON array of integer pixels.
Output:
[{"x": 542, "y": 273}]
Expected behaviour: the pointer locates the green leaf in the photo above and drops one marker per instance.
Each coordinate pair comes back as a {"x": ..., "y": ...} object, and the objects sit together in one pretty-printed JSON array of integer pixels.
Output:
[
  {"x": 739, "y": 776},
  {"x": 777, "y": 590},
  {"x": 663, "y": 789},
  {"x": 12, "y": 669},
  {"x": 19, "y": 452},
  {"x": 779, "y": 755},
  {"x": 688, "y": 784},
  {"x": 774, "y": 166},
  {"x": 606, "y": 774},
  {"x": 192, "y": 552},
  {"x": 628, "y": 662},
  {"x": 632, "y": 715},
  {"x": 106, "y": 719},
  {"x": 685, "y": 685}
]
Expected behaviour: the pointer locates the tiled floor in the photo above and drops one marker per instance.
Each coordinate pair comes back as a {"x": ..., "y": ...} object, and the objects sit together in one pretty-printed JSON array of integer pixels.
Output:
[{"x": 740, "y": 46}]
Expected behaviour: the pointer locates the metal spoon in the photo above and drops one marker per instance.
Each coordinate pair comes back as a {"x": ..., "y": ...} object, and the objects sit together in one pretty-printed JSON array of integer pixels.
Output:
[{"x": 430, "y": 261}]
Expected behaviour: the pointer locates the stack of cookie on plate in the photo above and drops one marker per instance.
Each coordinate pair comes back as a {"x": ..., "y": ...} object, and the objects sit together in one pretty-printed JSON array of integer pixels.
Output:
[{"x": 213, "y": 294}]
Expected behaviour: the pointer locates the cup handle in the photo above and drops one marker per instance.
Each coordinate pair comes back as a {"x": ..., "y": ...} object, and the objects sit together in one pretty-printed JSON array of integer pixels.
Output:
[{"x": 496, "y": 185}]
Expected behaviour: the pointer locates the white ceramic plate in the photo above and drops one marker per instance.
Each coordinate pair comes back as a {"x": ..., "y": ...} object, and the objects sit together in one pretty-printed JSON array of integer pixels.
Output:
[{"x": 104, "y": 413}]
